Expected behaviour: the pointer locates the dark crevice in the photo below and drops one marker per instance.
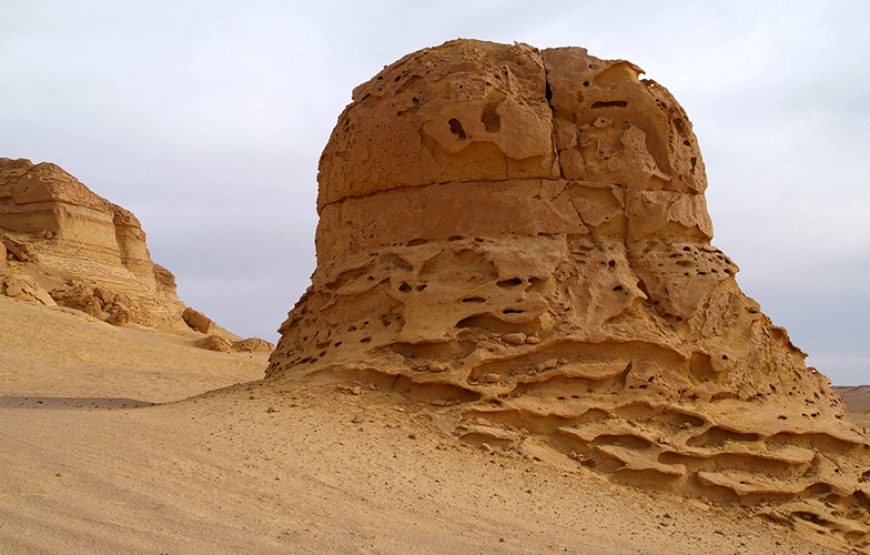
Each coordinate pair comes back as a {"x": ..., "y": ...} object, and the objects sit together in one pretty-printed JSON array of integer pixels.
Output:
[
  {"x": 406, "y": 188},
  {"x": 609, "y": 104},
  {"x": 549, "y": 95},
  {"x": 490, "y": 119},
  {"x": 456, "y": 129}
]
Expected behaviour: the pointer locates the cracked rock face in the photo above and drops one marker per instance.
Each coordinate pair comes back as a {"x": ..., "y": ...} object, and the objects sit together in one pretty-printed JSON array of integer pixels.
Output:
[{"x": 520, "y": 239}]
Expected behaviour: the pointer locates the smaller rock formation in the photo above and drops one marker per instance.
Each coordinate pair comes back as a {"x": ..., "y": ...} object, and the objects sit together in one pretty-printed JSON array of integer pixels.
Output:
[
  {"x": 99, "y": 302},
  {"x": 218, "y": 342},
  {"x": 71, "y": 241},
  {"x": 214, "y": 342},
  {"x": 18, "y": 251},
  {"x": 197, "y": 320},
  {"x": 60, "y": 243},
  {"x": 253, "y": 345},
  {"x": 23, "y": 288}
]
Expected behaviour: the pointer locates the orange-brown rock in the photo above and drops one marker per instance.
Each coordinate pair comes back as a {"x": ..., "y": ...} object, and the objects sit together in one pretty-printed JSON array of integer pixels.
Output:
[
  {"x": 229, "y": 342},
  {"x": 18, "y": 251},
  {"x": 114, "y": 308},
  {"x": 71, "y": 241},
  {"x": 520, "y": 238},
  {"x": 219, "y": 342},
  {"x": 197, "y": 320},
  {"x": 24, "y": 288},
  {"x": 253, "y": 345},
  {"x": 214, "y": 342}
]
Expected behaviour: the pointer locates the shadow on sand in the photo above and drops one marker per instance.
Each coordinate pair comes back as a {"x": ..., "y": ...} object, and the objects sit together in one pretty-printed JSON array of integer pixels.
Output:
[{"x": 71, "y": 403}]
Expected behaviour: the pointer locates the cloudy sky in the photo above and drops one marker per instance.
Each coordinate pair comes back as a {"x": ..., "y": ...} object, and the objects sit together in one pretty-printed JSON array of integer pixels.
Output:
[{"x": 207, "y": 120}]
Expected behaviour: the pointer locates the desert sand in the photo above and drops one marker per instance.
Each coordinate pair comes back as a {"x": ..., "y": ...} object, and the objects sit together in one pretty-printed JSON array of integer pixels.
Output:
[
  {"x": 90, "y": 465},
  {"x": 518, "y": 339},
  {"x": 857, "y": 398}
]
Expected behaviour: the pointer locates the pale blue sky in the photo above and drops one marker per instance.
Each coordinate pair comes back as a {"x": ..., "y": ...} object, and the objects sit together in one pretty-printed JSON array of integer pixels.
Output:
[{"x": 207, "y": 120}]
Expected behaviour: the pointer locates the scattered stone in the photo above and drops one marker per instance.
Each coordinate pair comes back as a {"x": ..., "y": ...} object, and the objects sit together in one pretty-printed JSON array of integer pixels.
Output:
[
  {"x": 214, "y": 342},
  {"x": 25, "y": 289},
  {"x": 17, "y": 250},
  {"x": 253, "y": 345},
  {"x": 197, "y": 320},
  {"x": 547, "y": 365},
  {"x": 517, "y": 338}
]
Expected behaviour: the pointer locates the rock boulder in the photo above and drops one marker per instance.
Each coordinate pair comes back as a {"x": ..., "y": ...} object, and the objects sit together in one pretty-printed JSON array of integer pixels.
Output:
[{"x": 520, "y": 238}]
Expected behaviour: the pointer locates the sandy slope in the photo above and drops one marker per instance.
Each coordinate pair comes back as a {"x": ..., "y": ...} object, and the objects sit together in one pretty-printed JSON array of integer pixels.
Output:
[
  {"x": 857, "y": 398},
  {"x": 294, "y": 470},
  {"x": 60, "y": 352}
]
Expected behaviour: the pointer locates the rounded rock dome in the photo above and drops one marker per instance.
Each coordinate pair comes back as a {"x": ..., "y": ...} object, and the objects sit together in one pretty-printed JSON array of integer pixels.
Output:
[{"x": 518, "y": 240}]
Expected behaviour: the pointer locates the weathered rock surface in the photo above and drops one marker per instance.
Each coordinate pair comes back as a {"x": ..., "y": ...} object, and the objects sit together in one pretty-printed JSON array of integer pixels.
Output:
[
  {"x": 214, "y": 342},
  {"x": 521, "y": 239},
  {"x": 218, "y": 342},
  {"x": 253, "y": 345},
  {"x": 84, "y": 249},
  {"x": 18, "y": 251},
  {"x": 197, "y": 320},
  {"x": 24, "y": 288},
  {"x": 63, "y": 244}
]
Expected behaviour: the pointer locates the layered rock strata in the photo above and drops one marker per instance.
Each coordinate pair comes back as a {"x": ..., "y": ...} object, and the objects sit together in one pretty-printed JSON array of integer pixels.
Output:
[
  {"x": 520, "y": 238},
  {"x": 67, "y": 245},
  {"x": 88, "y": 252}
]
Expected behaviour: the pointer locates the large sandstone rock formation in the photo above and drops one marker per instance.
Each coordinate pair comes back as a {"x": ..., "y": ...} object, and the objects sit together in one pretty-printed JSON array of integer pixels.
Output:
[
  {"x": 67, "y": 245},
  {"x": 88, "y": 252},
  {"x": 520, "y": 237}
]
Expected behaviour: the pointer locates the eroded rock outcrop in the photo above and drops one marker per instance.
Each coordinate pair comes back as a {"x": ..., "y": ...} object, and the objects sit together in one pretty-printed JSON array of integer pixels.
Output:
[
  {"x": 197, "y": 320},
  {"x": 520, "y": 237},
  {"x": 214, "y": 342},
  {"x": 63, "y": 244},
  {"x": 88, "y": 252},
  {"x": 253, "y": 345}
]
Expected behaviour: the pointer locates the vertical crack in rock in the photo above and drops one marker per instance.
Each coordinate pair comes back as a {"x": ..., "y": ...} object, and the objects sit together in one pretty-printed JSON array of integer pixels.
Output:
[
  {"x": 578, "y": 314},
  {"x": 548, "y": 94}
]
